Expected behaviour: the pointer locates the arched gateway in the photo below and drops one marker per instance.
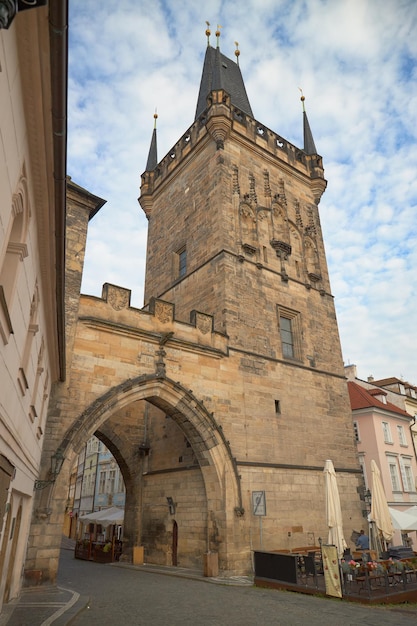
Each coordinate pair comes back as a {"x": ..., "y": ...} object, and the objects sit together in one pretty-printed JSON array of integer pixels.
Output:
[
  {"x": 229, "y": 383},
  {"x": 193, "y": 465}
]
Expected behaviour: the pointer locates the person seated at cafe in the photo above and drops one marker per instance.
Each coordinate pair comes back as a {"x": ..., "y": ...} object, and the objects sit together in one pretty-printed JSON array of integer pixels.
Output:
[
  {"x": 108, "y": 546},
  {"x": 362, "y": 541}
]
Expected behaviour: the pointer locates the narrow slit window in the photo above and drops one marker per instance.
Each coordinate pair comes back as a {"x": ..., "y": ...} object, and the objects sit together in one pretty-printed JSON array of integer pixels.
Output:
[{"x": 182, "y": 262}]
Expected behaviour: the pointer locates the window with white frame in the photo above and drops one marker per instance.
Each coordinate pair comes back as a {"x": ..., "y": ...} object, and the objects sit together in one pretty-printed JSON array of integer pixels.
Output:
[
  {"x": 406, "y": 473},
  {"x": 393, "y": 472},
  {"x": 387, "y": 432},
  {"x": 401, "y": 435},
  {"x": 111, "y": 481},
  {"x": 102, "y": 483}
]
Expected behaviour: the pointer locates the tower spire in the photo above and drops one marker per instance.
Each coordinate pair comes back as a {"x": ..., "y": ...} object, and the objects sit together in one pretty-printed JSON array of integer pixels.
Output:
[
  {"x": 153, "y": 152},
  {"x": 220, "y": 72},
  {"x": 309, "y": 145}
]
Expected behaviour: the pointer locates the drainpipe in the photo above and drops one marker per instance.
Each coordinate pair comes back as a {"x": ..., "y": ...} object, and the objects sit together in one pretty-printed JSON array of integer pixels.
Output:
[
  {"x": 58, "y": 34},
  {"x": 412, "y": 435}
]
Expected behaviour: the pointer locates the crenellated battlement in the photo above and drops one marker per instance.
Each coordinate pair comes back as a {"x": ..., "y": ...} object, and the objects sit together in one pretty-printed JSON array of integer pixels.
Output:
[
  {"x": 240, "y": 123},
  {"x": 157, "y": 321}
]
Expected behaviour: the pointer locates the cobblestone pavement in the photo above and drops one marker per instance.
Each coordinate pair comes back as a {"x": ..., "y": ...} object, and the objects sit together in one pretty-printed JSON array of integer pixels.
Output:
[{"x": 113, "y": 594}]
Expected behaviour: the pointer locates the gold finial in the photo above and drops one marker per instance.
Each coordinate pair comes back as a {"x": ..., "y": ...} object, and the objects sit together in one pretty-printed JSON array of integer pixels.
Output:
[
  {"x": 218, "y": 33},
  {"x": 208, "y": 33},
  {"x": 155, "y": 117},
  {"x": 302, "y": 98},
  {"x": 237, "y": 52}
]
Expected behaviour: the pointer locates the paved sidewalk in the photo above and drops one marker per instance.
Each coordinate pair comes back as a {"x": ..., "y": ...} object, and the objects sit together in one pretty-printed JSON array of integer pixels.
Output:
[{"x": 43, "y": 606}]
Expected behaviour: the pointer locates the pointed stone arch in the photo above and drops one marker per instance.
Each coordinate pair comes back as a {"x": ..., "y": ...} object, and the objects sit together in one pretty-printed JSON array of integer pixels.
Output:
[
  {"x": 200, "y": 426},
  {"x": 217, "y": 465}
]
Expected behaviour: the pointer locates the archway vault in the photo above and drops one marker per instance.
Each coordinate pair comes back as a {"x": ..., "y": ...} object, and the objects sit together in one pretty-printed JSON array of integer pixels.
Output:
[{"x": 198, "y": 424}]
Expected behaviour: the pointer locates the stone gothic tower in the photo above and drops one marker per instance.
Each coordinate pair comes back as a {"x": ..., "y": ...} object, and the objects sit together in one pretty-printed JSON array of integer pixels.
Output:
[
  {"x": 234, "y": 228},
  {"x": 221, "y": 399},
  {"x": 234, "y": 233}
]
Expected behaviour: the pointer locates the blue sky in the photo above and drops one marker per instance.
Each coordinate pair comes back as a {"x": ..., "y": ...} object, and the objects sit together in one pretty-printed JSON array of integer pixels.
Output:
[{"x": 356, "y": 61}]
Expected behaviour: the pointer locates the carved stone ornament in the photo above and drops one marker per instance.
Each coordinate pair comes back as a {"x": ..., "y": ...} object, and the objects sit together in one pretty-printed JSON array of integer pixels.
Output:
[
  {"x": 314, "y": 277},
  {"x": 249, "y": 249},
  {"x": 282, "y": 249},
  {"x": 118, "y": 298},
  {"x": 204, "y": 323},
  {"x": 163, "y": 312},
  {"x": 247, "y": 212}
]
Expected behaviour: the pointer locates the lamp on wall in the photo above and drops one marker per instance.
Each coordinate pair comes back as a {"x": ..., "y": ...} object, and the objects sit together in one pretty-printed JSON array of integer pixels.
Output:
[
  {"x": 171, "y": 505},
  {"x": 9, "y": 8},
  {"x": 57, "y": 461}
]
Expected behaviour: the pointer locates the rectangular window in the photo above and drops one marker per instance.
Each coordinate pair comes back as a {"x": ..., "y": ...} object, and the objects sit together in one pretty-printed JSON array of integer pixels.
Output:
[
  {"x": 286, "y": 337},
  {"x": 277, "y": 407},
  {"x": 406, "y": 473},
  {"x": 102, "y": 483},
  {"x": 393, "y": 471},
  {"x": 182, "y": 262},
  {"x": 290, "y": 332},
  {"x": 387, "y": 432},
  {"x": 401, "y": 435},
  {"x": 111, "y": 481}
]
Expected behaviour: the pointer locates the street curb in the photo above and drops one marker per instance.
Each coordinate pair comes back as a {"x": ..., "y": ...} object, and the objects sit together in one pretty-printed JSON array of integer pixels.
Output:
[
  {"x": 67, "y": 613},
  {"x": 236, "y": 581}
]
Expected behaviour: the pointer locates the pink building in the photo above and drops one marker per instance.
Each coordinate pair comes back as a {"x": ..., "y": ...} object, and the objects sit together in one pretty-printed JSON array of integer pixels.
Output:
[{"x": 382, "y": 432}]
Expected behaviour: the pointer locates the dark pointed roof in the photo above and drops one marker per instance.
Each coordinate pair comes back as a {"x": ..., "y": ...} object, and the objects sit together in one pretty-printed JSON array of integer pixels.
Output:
[
  {"x": 153, "y": 152},
  {"x": 309, "y": 146},
  {"x": 220, "y": 72}
]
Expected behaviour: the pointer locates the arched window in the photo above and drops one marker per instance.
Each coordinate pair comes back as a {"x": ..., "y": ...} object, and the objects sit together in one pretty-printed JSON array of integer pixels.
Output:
[
  {"x": 15, "y": 252},
  {"x": 30, "y": 334}
]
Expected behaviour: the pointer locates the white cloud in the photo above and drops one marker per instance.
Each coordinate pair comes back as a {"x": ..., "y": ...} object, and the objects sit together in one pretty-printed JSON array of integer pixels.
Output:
[{"x": 357, "y": 65}]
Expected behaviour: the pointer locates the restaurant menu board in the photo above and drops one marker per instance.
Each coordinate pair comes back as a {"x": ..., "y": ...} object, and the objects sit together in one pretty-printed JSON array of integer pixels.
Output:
[{"x": 331, "y": 571}]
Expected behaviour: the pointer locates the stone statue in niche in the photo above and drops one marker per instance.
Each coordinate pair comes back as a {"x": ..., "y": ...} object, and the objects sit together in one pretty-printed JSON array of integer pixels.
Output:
[{"x": 312, "y": 261}]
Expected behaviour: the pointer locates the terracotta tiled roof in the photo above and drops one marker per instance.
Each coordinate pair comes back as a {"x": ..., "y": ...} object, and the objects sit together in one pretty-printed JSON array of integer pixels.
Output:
[{"x": 361, "y": 398}]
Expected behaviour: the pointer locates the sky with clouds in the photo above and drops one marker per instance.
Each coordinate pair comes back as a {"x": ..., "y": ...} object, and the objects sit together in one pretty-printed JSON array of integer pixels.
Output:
[{"x": 356, "y": 61}]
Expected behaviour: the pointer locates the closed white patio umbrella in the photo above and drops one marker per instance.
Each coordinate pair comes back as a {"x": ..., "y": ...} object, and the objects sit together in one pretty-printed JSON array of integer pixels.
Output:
[
  {"x": 333, "y": 510},
  {"x": 380, "y": 514}
]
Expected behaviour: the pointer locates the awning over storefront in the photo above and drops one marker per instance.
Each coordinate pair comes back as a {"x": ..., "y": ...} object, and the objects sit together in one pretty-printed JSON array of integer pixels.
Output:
[{"x": 105, "y": 517}]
